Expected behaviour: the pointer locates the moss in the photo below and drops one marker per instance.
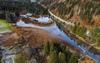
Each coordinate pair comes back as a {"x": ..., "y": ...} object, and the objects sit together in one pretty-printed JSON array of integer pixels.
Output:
[
  {"x": 20, "y": 58},
  {"x": 4, "y": 26}
]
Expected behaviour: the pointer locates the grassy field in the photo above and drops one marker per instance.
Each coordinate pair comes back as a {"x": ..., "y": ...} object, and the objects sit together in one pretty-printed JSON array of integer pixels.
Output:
[{"x": 4, "y": 26}]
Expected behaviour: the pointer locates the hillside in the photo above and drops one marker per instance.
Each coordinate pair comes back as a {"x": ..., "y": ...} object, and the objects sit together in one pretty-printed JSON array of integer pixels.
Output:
[{"x": 87, "y": 12}]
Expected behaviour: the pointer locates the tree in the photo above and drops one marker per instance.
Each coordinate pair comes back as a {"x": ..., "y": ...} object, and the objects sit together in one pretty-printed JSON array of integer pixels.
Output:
[
  {"x": 2, "y": 16},
  {"x": 62, "y": 47},
  {"x": 78, "y": 30},
  {"x": 54, "y": 57},
  {"x": 46, "y": 48},
  {"x": 78, "y": 23},
  {"x": 74, "y": 29},
  {"x": 67, "y": 53},
  {"x": 23, "y": 39},
  {"x": 73, "y": 58},
  {"x": 62, "y": 58},
  {"x": 17, "y": 14},
  {"x": 51, "y": 47}
]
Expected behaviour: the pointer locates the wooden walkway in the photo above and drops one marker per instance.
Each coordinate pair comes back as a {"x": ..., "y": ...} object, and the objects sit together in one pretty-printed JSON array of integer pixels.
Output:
[{"x": 88, "y": 48}]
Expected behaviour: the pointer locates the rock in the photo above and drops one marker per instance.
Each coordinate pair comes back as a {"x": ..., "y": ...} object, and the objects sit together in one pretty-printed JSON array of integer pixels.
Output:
[
  {"x": 28, "y": 53},
  {"x": 9, "y": 60},
  {"x": 33, "y": 60}
]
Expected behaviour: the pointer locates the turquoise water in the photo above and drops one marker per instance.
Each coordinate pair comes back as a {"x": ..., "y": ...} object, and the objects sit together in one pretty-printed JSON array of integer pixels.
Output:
[{"x": 29, "y": 14}]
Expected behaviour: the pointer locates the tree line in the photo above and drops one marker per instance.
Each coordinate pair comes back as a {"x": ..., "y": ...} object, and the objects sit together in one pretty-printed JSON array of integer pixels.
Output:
[{"x": 20, "y": 6}]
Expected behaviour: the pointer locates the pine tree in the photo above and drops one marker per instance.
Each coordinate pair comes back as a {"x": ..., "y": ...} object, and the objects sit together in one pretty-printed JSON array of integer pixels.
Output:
[
  {"x": 46, "y": 48},
  {"x": 74, "y": 29},
  {"x": 73, "y": 58},
  {"x": 54, "y": 57},
  {"x": 67, "y": 53},
  {"x": 51, "y": 47},
  {"x": 62, "y": 58}
]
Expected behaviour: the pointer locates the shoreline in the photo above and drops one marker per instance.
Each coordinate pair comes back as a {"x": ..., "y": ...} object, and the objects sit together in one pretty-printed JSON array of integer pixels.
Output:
[{"x": 34, "y": 22}]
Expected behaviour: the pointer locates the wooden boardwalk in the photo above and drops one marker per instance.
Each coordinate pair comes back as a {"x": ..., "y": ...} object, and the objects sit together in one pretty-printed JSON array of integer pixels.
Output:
[{"x": 88, "y": 48}]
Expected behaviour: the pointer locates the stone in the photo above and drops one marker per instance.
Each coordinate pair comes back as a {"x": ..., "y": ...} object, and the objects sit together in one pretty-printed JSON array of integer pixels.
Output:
[{"x": 9, "y": 60}]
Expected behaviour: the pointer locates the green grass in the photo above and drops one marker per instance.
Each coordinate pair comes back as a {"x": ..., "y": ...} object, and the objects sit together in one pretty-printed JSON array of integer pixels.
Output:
[{"x": 4, "y": 26}]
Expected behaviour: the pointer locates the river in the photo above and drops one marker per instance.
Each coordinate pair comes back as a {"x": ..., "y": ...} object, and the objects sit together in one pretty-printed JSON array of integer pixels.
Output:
[{"x": 56, "y": 31}]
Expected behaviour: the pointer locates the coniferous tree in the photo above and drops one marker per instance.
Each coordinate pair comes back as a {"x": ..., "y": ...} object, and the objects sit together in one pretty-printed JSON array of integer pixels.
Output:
[
  {"x": 67, "y": 53},
  {"x": 46, "y": 48},
  {"x": 62, "y": 58},
  {"x": 73, "y": 58},
  {"x": 54, "y": 57}
]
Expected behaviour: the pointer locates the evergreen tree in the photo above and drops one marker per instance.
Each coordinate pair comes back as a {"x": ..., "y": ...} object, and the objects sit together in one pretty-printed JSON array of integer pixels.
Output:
[
  {"x": 78, "y": 23},
  {"x": 73, "y": 58},
  {"x": 62, "y": 47},
  {"x": 74, "y": 29},
  {"x": 51, "y": 47},
  {"x": 46, "y": 48},
  {"x": 17, "y": 14},
  {"x": 78, "y": 30},
  {"x": 67, "y": 53},
  {"x": 54, "y": 57},
  {"x": 62, "y": 58}
]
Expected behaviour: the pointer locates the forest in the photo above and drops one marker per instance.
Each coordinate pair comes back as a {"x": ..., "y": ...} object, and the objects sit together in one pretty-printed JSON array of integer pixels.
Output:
[
  {"x": 59, "y": 53},
  {"x": 86, "y": 10},
  {"x": 20, "y": 6}
]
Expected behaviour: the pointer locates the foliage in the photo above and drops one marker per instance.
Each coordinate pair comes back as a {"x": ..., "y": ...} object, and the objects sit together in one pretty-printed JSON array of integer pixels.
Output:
[
  {"x": 46, "y": 48},
  {"x": 79, "y": 30},
  {"x": 59, "y": 53},
  {"x": 62, "y": 58},
  {"x": 17, "y": 14},
  {"x": 51, "y": 47},
  {"x": 67, "y": 53},
  {"x": 27, "y": 7},
  {"x": 95, "y": 35},
  {"x": 2, "y": 16},
  {"x": 74, "y": 29},
  {"x": 54, "y": 57},
  {"x": 73, "y": 58}
]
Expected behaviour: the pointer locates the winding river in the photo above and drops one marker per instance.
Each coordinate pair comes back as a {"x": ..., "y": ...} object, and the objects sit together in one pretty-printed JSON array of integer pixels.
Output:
[{"x": 56, "y": 31}]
